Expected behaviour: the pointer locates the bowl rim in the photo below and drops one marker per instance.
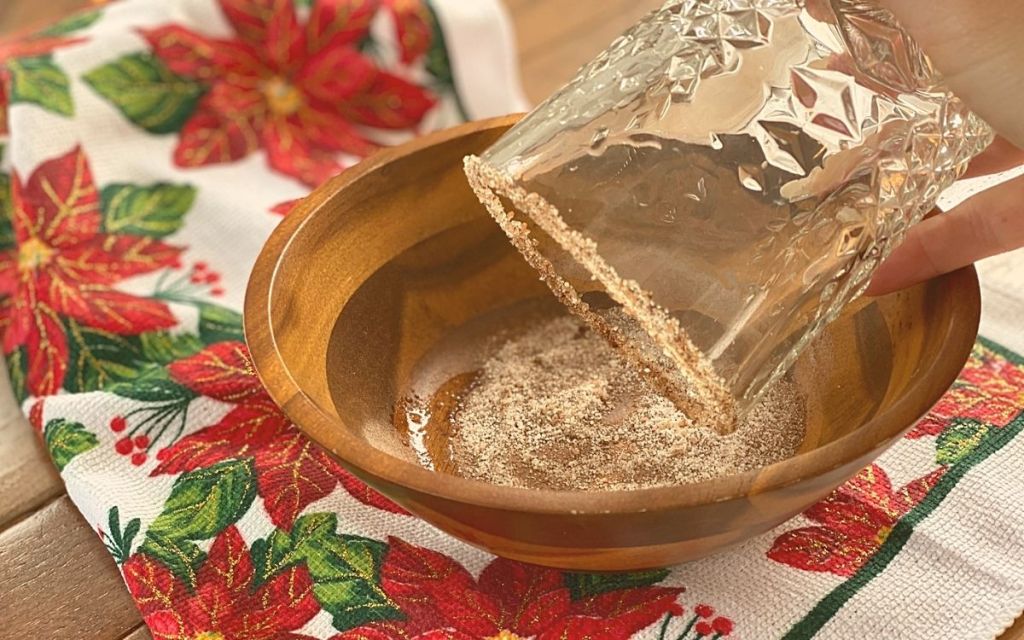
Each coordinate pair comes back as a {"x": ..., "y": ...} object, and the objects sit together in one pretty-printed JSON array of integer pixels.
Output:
[{"x": 331, "y": 433}]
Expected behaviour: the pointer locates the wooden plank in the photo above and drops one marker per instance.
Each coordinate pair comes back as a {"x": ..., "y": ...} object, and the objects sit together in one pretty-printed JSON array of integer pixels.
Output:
[
  {"x": 142, "y": 633},
  {"x": 542, "y": 25},
  {"x": 27, "y": 479},
  {"x": 58, "y": 581},
  {"x": 16, "y": 16},
  {"x": 569, "y": 45},
  {"x": 1016, "y": 632}
]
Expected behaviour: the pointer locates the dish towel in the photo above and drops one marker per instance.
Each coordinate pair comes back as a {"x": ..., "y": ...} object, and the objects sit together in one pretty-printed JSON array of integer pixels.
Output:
[{"x": 152, "y": 145}]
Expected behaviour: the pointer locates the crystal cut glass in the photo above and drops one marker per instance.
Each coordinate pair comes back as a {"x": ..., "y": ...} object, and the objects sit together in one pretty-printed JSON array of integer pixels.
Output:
[{"x": 729, "y": 173}]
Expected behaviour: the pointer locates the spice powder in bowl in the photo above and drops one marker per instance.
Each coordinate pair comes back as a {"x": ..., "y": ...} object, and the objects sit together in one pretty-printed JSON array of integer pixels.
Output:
[{"x": 555, "y": 407}]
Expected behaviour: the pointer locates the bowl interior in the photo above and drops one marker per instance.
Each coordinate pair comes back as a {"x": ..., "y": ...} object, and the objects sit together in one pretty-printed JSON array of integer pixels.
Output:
[
  {"x": 428, "y": 298},
  {"x": 385, "y": 262}
]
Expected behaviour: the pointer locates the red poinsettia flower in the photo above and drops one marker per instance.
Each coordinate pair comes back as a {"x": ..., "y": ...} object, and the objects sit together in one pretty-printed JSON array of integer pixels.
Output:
[
  {"x": 284, "y": 208},
  {"x": 990, "y": 390},
  {"x": 292, "y": 472},
  {"x": 441, "y": 600},
  {"x": 23, "y": 47},
  {"x": 223, "y": 605},
  {"x": 299, "y": 91},
  {"x": 64, "y": 266},
  {"x": 855, "y": 521},
  {"x": 412, "y": 23},
  {"x": 35, "y": 416}
]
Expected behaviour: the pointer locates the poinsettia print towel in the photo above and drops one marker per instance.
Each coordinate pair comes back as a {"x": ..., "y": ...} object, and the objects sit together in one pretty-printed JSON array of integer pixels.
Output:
[{"x": 150, "y": 148}]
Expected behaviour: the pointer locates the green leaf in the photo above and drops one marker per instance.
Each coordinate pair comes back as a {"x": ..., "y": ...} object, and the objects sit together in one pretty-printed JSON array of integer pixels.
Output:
[
  {"x": 161, "y": 347},
  {"x": 155, "y": 211},
  {"x": 74, "y": 22},
  {"x": 272, "y": 555},
  {"x": 180, "y": 556},
  {"x": 959, "y": 440},
  {"x": 353, "y": 602},
  {"x": 206, "y": 501},
  {"x": 65, "y": 440},
  {"x": 7, "y": 239},
  {"x": 16, "y": 363},
  {"x": 346, "y": 572},
  {"x": 128, "y": 536},
  {"x": 98, "y": 359},
  {"x": 219, "y": 324},
  {"x": 330, "y": 555},
  {"x": 114, "y": 525},
  {"x": 281, "y": 551},
  {"x": 438, "y": 64},
  {"x": 314, "y": 526},
  {"x": 153, "y": 384},
  {"x": 39, "y": 81},
  {"x": 345, "y": 569},
  {"x": 368, "y": 46},
  {"x": 303, "y": 3},
  {"x": 586, "y": 585},
  {"x": 346, "y": 579},
  {"x": 119, "y": 542},
  {"x": 147, "y": 92},
  {"x": 201, "y": 505}
]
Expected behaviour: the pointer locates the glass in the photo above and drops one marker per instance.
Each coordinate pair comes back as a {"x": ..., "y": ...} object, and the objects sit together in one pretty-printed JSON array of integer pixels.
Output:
[{"x": 729, "y": 173}]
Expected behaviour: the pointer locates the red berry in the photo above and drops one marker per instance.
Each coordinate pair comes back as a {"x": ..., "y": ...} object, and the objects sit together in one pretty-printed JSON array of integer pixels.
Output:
[
  {"x": 141, "y": 442},
  {"x": 123, "y": 446},
  {"x": 212, "y": 278},
  {"x": 201, "y": 266},
  {"x": 196, "y": 279},
  {"x": 704, "y": 610},
  {"x": 217, "y": 292},
  {"x": 138, "y": 458},
  {"x": 704, "y": 629},
  {"x": 722, "y": 626},
  {"x": 118, "y": 424}
]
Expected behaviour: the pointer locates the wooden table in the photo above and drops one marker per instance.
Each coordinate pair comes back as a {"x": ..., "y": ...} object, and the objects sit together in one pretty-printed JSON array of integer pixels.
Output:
[{"x": 56, "y": 579}]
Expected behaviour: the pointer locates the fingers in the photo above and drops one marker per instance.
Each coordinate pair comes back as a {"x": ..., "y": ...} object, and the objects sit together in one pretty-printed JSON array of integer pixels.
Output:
[
  {"x": 987, "y": 224},
  {"x": 1002, "y": 155}
]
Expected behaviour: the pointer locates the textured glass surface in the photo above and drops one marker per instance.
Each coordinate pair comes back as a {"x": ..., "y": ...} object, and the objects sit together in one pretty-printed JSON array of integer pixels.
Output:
[{"x": 740, "y": 166}]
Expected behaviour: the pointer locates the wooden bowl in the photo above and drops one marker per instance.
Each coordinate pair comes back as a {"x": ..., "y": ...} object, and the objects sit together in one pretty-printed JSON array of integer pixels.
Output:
[{"x": 382, "y": 262}]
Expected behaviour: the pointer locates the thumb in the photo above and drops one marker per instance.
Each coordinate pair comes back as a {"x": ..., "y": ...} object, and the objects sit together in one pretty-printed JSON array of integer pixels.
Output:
[{"x": 985, "y": 225}]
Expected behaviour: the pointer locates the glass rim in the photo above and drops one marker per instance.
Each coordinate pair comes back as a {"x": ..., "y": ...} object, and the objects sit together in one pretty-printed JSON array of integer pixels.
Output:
[{"x": 694, "y": 387}]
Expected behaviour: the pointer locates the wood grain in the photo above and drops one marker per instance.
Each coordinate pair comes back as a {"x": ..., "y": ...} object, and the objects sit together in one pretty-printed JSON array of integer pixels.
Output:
[
  {"x": 557, "y": 37},
  {"x": 1016, "y": 632},
  {"x": 18, "y": 15},
  {"x": 141, "y": 633},
  {"x": 27, "y": 479},
  {"x": 58, "y": 581}
]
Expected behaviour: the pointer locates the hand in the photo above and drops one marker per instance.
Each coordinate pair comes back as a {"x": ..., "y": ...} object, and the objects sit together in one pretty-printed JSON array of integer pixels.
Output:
[{"x": 979, "y": 48}]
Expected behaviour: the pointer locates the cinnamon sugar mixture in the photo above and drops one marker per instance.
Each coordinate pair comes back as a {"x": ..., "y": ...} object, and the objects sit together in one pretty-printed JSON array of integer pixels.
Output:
[{"x": 557, "y": 408}]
